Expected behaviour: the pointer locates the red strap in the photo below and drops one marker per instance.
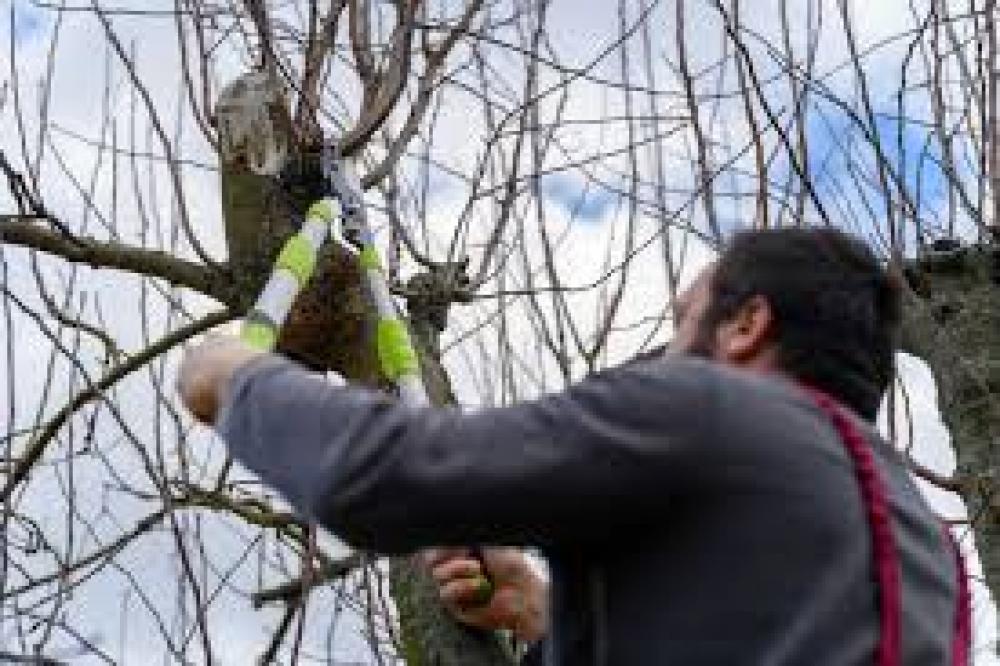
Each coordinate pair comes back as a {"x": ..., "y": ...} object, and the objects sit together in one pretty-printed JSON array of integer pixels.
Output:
[
  {"x": 962, "y": 642},
  {"x": 873, "y": 494}
]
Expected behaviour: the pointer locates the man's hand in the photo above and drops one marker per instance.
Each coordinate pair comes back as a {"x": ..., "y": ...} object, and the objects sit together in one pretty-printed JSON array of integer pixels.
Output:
[
  {"x": 206, "y": 371},
  {"x": 520, "y": 595}
]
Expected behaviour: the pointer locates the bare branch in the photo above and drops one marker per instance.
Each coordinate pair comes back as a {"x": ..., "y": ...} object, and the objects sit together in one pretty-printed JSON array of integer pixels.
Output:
[
  {"x": 37, "y": 446},
  {"x": 20, "y": 231},
  {"x": 382, "y": 89},
  {"x": 426, "y": 86}
]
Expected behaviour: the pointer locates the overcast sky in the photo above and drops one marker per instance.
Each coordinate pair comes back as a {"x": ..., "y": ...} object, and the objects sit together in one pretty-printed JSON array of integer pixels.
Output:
[{"x": 590, "y": 217}]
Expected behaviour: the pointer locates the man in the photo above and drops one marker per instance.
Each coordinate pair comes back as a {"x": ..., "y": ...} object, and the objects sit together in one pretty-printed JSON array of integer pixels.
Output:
[{"x": 729, "y": 503}]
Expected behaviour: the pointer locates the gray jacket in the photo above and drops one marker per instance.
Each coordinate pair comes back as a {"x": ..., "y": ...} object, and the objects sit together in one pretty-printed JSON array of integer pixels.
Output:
[{"x": 691, "y": 513}]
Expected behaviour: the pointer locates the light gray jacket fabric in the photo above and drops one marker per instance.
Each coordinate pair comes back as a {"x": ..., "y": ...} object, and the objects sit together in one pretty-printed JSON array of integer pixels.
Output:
[{"x": 691, "y": 513}]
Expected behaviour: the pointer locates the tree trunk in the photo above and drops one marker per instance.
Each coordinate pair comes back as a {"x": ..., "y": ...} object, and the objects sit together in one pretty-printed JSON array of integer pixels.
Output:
[{"x": 952, "y": 321}]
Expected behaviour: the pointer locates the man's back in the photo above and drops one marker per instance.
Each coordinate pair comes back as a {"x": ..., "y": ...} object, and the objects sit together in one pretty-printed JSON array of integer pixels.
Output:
[
  {"x": 761, "y": 553},
  {"x": 693, "y": 514}
]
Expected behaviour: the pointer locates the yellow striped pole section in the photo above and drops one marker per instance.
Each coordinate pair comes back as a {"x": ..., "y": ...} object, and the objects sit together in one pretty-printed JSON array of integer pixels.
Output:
[
  {"x": 399, "y": 359},
  {"x": 292, "y": 270},
  {"x": 396, "y": 353}
]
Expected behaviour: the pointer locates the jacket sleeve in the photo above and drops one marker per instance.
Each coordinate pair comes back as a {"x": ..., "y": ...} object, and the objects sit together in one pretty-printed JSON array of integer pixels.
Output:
[{"x": 566, "y": 468}]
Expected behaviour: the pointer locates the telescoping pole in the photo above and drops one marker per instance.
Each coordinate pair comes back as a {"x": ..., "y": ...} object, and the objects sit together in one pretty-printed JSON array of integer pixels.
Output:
[
  {"x": 397, "y": 356},
  {"x": 295, "y": 266}
]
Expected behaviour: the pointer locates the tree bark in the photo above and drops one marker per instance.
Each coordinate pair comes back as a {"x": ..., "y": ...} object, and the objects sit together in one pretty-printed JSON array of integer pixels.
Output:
[{"x": 952, "y": 321}]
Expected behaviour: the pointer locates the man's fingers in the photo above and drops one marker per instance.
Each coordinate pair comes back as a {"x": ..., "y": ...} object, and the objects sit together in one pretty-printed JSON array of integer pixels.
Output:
[
  {"x": 432, "y": 557},
  {"x": 463, "y": 592},
  {"x": 505, "y": 562},
  {"x": 455, "y": 568}
]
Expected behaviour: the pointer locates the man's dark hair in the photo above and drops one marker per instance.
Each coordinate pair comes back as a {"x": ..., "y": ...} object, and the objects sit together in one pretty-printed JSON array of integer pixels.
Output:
[{"x": 836, "y": 307}]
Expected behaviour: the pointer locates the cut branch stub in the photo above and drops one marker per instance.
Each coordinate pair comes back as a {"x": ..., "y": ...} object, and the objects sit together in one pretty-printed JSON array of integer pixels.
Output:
[
  {"x": 429, "y": 296},
  {"x": 254, "y": 124},
  {"x": 328, "y": 327}
]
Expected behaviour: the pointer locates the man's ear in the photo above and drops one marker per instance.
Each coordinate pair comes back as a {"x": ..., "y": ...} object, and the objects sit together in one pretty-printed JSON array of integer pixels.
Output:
[{"x": 747, "y": 335}]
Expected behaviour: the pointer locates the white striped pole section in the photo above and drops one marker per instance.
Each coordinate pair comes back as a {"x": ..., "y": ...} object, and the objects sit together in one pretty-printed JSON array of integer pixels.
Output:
[{"x": 292, "y": 269}]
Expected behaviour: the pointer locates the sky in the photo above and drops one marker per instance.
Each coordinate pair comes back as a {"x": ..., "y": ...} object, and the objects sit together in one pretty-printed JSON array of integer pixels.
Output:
[{"x": 584, "y": 207}]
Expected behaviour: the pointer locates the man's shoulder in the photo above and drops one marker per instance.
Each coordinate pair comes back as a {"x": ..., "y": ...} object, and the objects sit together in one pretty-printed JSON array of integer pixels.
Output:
[
  {"x": 668, "y": 365},
  {"x": 661, "y": 380},
  {"x": 718, "y": 377}
]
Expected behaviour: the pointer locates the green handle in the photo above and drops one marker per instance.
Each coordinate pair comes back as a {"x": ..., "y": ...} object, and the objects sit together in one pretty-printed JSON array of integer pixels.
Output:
[{"x": 485, "y": 587}]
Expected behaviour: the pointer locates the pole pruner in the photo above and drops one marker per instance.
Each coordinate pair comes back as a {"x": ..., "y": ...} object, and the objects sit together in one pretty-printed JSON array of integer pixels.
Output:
[{"x": 341, "y": 214}]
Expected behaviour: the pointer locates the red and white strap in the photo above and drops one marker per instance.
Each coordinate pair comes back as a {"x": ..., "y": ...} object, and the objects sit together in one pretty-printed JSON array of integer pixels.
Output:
[{"x": 886, "y": 560}]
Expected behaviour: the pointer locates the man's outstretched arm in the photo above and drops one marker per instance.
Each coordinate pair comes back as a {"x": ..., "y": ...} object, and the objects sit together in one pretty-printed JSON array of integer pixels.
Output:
[{"x": 567, "y": 468}]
